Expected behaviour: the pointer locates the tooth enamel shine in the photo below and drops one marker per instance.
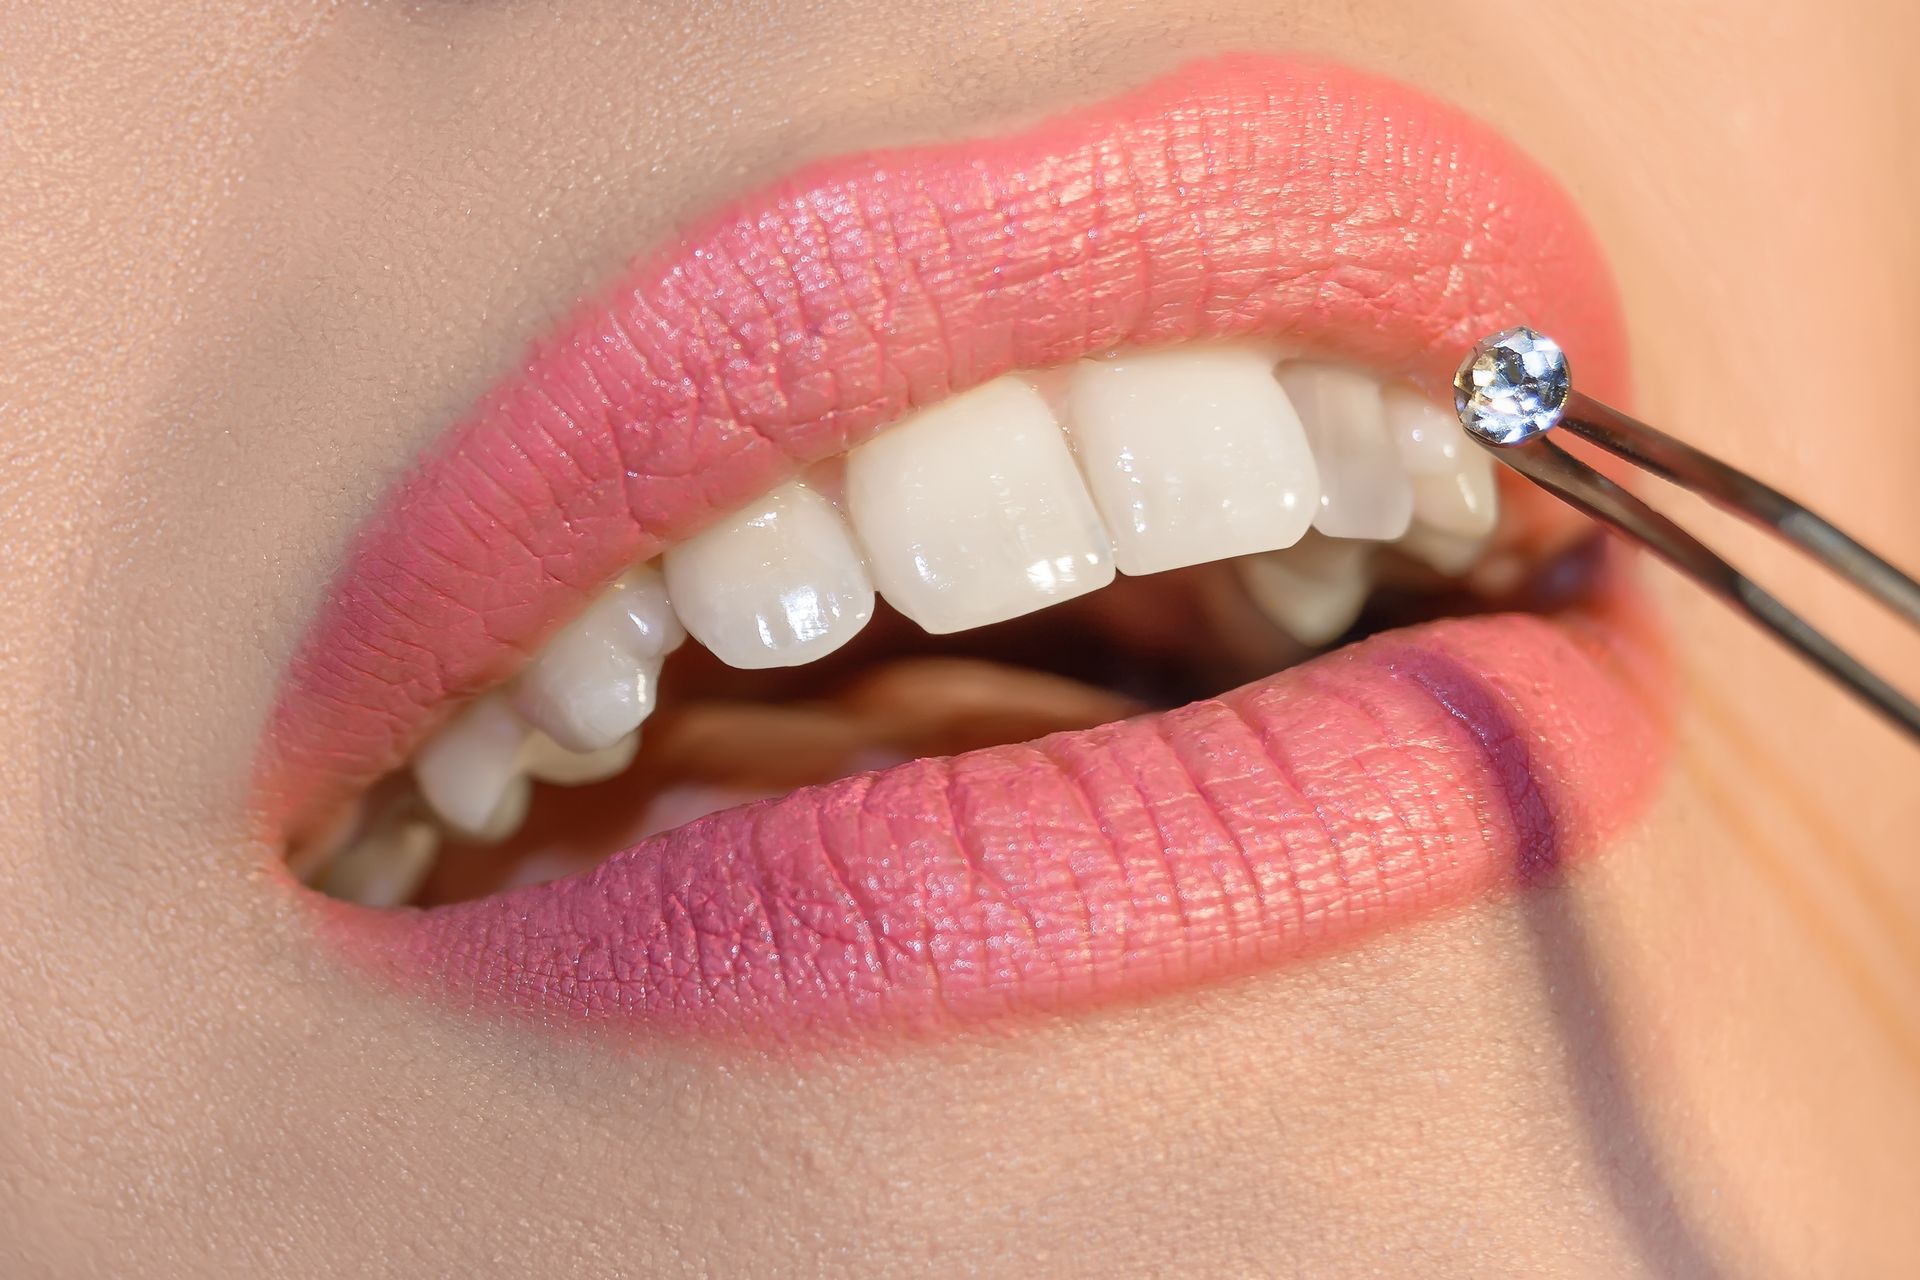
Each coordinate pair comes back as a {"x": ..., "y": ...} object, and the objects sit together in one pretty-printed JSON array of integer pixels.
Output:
[
  {"x": 777, "y": 584},
  {"x": 593, "y": 682},
  {"x": 470, "y": 771},
  {"x": 1364, "y": 488},
  {"x": 1453, "y": 483},
  {"x": 386, "y": 867},
  {"x": 972, "y": 512},
  {"x": 547, "y": 761},
  {"x": 1192, "y": 454},
  {"x": 1314, "y": 590}
]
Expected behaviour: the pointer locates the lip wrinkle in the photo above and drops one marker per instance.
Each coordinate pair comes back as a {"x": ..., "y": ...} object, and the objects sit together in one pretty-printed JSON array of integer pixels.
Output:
[
  {"x": 1470, "y": 699},
  {"x": 1380, "y": 783}
]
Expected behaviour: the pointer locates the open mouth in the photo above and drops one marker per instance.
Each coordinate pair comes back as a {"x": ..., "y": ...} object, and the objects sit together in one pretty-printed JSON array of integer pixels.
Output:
[{"x": 899, "y": 599}]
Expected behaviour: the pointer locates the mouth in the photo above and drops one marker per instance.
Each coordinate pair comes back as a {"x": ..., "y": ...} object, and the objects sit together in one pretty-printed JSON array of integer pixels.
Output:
[{"x": 974, "y": 579}]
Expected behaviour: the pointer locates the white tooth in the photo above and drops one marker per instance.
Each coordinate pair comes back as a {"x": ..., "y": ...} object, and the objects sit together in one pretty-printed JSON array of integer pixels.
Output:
[
  {"x": 385, "y": 867},
  {"x": 467, "y": 770},
  {"x": 507, "y": 815},
  {"x": 1450, "y": 554},
  {"x": 775, "y": 584},
  {"x": 1192, "y": 454},
  {"x": 1463, "y": 502},
  {"x": 310, "y": 859},
  {"x": 971, "y": 512},
  {"x": 594, "y": 681},
  {"x": 1453, "y": 486},
  {"x": 1364, "y": 488},
  {"x": 548, "y": 761},
  {"x": 1315, "y": 590},
  {"x": 1429, "y": 437}
]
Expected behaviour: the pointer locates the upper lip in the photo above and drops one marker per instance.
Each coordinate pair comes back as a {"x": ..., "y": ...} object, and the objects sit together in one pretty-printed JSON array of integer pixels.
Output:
[{"x": 1239, "y": 196}]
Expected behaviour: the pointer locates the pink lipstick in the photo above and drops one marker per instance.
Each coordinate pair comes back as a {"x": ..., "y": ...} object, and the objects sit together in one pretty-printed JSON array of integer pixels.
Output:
[{"x": 1329, "y": 210}]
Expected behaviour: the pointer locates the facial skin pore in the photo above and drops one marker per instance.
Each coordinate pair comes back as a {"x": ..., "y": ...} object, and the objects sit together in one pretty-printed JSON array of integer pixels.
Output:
[{"x": 258, "y": 256}]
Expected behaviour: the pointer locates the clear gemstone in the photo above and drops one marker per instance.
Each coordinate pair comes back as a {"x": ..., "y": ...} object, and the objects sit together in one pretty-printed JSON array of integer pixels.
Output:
[{"x": 1512, "y": 386}]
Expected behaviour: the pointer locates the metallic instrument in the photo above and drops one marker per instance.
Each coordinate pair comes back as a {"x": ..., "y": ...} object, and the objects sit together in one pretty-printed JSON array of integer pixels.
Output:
[{"x": 1515, "y": 389}]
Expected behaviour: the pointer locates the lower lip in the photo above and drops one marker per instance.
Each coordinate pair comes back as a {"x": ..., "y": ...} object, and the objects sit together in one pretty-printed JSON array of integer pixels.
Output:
[{"x": 1385, "y": 781}]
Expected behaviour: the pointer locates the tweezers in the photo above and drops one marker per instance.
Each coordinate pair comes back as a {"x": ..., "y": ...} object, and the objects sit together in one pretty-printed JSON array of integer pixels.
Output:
[{"x": 1515, "y": 388}]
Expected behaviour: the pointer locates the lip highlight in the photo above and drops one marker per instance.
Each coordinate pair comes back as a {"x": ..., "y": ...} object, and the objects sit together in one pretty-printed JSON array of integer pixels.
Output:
[{"x": 1242, "y": 196}]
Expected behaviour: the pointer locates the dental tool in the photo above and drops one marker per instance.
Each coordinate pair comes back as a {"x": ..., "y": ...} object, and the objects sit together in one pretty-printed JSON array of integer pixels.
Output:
[{"x": 1515, "y": 388}]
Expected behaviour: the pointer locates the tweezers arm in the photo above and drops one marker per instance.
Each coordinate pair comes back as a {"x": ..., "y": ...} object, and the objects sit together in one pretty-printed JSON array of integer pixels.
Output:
[
  {"x": 1553, "y": 468},
  {"x": 1736, "y": 491}
]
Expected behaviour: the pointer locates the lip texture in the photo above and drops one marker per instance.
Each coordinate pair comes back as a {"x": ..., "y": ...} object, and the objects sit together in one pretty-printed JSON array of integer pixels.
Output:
[
  {"x": 1408, "y": 772},
  {"x": 1241, "y": 196}
]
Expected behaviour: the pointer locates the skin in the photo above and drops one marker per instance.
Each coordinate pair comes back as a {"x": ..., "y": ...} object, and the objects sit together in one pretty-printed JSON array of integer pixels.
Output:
[{"x": 256, "y": 256}]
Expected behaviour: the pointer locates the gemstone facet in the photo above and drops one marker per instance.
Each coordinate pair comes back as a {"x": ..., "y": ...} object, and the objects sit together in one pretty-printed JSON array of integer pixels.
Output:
[{"x": 1512, "y": 386}]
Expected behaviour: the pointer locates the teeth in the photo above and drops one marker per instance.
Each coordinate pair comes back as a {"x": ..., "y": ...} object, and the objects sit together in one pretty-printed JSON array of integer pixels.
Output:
[
  {"x": 1192, "y": 455},
  {"x": 775, "y": 585},
  {"x": 548, "y": 761},
  {"x": 594, "y": 681},
  {"x": 474, "y": 773},
  {"x": 1453, "y": 487},
  {"x": 386, "y": 867},
  {"x": 470, "y": 771},
  {"x": 972, "y": 512},
  {"x": 310, "y": 860},
  {"x": 1364, "y": 488},
  {"x": 1462, "y": 502},
  {"x": 1314, "y": 590},
  {"x": 1448, "y": 554},
  {"x": 507, "y": 815}
]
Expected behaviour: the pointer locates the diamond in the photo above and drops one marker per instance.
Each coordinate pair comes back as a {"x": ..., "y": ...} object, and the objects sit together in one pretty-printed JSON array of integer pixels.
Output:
[{"x": 1512, "y": 386}]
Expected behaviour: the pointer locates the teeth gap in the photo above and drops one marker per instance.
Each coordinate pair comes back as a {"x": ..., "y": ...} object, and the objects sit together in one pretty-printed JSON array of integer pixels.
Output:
[{"x": 1306, "y": 484}]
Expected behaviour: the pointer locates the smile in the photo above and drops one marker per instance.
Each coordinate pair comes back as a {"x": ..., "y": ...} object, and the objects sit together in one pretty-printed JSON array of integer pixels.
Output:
[{"x": 632, "y": 703}]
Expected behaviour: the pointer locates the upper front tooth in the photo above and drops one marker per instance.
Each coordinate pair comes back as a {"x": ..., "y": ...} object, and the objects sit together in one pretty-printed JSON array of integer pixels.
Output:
[
  {"x": 593, "y": 682},
  {"x": 1193, "y": 454},
  {"x": 776, "y": 584},
  {"x": 470, "y": 771},
  {"x": 972, "y": 511},
  {"x": 1364, "y": 488},
  {"x": 1453, "y": 485}
]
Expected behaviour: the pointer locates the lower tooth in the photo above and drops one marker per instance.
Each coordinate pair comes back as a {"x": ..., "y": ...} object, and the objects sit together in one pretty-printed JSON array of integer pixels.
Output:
[
  {"x": 386, "y": 867},
  {"x": 310, "y": 859},
  {"x": 1448, "y": 554},
  {"x": 547, "y": 761},
  {"x": 507, "y": 815},
  {"x": 1314, "y": 590}
]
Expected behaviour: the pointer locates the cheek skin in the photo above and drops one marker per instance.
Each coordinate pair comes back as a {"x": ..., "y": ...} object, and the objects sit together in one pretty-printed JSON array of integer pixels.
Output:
[{"x": 263, "y": 256}]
